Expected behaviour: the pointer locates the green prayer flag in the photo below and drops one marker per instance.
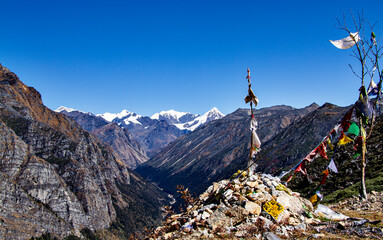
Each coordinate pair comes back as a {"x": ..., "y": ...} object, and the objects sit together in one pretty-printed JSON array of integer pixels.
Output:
[{"x": 354, "y": 129}]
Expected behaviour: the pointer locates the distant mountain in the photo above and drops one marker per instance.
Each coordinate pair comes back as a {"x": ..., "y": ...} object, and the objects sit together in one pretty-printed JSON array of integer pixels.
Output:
[
  {"x": 210, "y": 152},
  {"x": 128, "y": 149},
  {"x": 194, "y": 123},
  {"x": 57, "y": 178},
  {"x": 157, "y": 131},
  {"x": 87, "y": 120},
  {"x": 174, "y": 117}
]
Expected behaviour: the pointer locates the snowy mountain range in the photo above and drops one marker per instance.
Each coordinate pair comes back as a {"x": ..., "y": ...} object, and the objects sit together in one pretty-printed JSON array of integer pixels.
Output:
[
  {"x": 182, "y": 120},
  {"x": 153, "y": 133}
]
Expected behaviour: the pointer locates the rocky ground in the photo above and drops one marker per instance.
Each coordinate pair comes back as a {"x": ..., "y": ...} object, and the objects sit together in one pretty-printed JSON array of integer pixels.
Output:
[{"x": 260, "y": 207}]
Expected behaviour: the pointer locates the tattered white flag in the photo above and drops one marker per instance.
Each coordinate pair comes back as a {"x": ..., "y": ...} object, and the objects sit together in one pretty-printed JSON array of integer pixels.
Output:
[
  {"x": 254, "y": 136},
  {"x": 347, "y": 42},
  {"x": 332, "y": 166}
]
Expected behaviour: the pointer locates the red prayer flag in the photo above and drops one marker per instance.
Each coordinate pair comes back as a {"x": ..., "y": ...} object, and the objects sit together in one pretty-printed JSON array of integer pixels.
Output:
[
  {"x": 345, "y": 124},
  {"x": 301, "y": 168},
  {"x": 326, "y": 173},
  {"x": 322, "y": 150}
]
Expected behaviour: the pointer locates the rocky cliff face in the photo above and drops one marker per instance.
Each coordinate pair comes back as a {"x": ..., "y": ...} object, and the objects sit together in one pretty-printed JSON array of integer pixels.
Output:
[
  {"x": 216, "y": 149},
  {"x": 55, "y": 175}
]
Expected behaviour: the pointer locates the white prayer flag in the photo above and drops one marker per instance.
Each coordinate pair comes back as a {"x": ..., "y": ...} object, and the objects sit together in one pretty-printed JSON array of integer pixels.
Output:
[
  {"x": 347, "y": 42},
  {"x": 332, "y": 166}
]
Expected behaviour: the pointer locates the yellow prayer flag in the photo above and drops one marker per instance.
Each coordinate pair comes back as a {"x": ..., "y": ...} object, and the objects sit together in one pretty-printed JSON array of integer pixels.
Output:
[
  {"x": 344, "y": 140},
  {"x": 314, "y": 198},
  {"x": 329, "y": 143}
]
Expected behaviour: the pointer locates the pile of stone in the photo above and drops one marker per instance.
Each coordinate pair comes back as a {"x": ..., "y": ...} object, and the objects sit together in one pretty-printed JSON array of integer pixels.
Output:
[
  {"x": 257, "y": 207},
  {"x": 374, "y": 203}
]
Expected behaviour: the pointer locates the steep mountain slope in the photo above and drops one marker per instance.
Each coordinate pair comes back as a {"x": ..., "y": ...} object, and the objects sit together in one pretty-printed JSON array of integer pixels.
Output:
[
  {"x": 58, "y": 178},
  {"x": 295, "y": 142},
  {"x": 206, "y": 153},
  {"x": 128, "y": 149}
]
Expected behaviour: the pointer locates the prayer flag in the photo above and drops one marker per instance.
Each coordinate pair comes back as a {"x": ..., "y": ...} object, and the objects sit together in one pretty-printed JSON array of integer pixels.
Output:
[
  {"x": 372, "y": 89},
  {"x": 322, "y": 150},
  {"x": 319, "y": 195},
  {"x": 354, "y": 129},
  {"x": 364, "y": 106},
  {"x": 314, "y": 198},
  {"x": 347, "y": 42},
  {"x": 311, "y": 155},
  {"x": 344, "y": 139},
  {"x": 326, "y": 173},
  {"x": 301, "y": 168},
  {"x": 328, "y": 140},
  {"x": 345, "y": 124},
  {"x": 332, "y": 166}
]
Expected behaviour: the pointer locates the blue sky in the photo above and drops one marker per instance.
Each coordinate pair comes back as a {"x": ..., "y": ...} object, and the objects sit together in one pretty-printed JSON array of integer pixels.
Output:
[{"x": 149, "y": 56}]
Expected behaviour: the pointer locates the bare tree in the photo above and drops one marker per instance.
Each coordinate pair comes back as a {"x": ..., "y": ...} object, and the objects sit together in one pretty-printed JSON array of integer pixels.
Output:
[{"x": 368, "y": 53}]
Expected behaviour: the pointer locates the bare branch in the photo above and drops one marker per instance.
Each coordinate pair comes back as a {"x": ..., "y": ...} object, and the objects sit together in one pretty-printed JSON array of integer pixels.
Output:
[{"x": 354, "y": 71}]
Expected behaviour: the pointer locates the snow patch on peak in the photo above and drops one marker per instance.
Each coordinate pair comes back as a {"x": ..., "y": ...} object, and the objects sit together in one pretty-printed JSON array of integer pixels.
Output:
[
  {"x": 124, "y": 116},
  {"x": 111, "y": 116},
  {"x": 211, "y": 115},
  {"x": 62, "y": 109},
  {"x": 169, "y": 114}
]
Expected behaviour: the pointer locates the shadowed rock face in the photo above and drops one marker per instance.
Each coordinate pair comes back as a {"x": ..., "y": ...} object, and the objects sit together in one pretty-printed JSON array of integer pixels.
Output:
[
  {"x": 128, "y": 150},
  {"x": 88, "y": 121},
  {"x": 215, "y": 150},
  {"x": 55, "y": 175}
]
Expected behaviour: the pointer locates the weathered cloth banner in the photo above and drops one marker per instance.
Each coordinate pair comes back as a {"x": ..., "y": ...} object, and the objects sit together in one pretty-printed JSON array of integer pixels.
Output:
[
  {"x": 332, "y": 166},
  {"x": 347, "y": 42}
]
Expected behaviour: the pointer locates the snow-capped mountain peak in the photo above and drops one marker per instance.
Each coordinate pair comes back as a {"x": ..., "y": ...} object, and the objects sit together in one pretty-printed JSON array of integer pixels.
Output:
[
  {"x": 174, "y": 117},
  {"x": 62, "y": 109},
  {"x": 124, "y": 116},
  {"x": 170, "y": 114},
  {"x": 111, "y": 116},
  {"x": 214, "y": 114},
  {"x": 211, "y": 115}
]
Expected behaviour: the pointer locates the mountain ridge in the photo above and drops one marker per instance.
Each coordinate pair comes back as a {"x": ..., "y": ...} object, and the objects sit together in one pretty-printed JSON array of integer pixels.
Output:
[{"x": 56, "y": 177}]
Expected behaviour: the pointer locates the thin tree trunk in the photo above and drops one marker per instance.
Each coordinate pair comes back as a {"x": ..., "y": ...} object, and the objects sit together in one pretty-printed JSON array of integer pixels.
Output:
[{"x": 363, "y": 192}]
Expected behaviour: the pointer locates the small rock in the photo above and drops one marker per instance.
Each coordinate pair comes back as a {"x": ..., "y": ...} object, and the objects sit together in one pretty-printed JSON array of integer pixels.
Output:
[
  {"x": 228, "y": 194},
  {"x": 168, "y": 235},
  {"x": 252, "y": 184},
  {"x": 205, "y": 215},
  {"x": 301, "y": 227},
  {"x": 318, "y": 235},
  {"x": 210, "y": 206},
  {"x": 270, "y": 236},
  {"x": 293, "y": 221},
  {"x": 253, "y": 208}
]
